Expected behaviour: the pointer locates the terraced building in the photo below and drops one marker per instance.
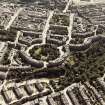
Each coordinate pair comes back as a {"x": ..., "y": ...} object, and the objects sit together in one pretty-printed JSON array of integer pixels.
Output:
[{"x": 52, "y": 52}]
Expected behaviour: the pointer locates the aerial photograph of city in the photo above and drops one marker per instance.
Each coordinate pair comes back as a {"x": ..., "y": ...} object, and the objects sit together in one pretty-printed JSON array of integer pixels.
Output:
[{"x": 52, "y": 52}]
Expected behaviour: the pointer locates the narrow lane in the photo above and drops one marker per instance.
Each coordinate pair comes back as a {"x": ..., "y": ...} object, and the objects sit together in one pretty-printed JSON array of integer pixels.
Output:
[
  {"x": 67, "y": 6},
  {"x": 70, "y": 28},
  {"x": 17, "y": 37},
  {"x": 11, "y": 59},
  {"x": 44, "y": 34},
  {"x": 13, "y": 18}
]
